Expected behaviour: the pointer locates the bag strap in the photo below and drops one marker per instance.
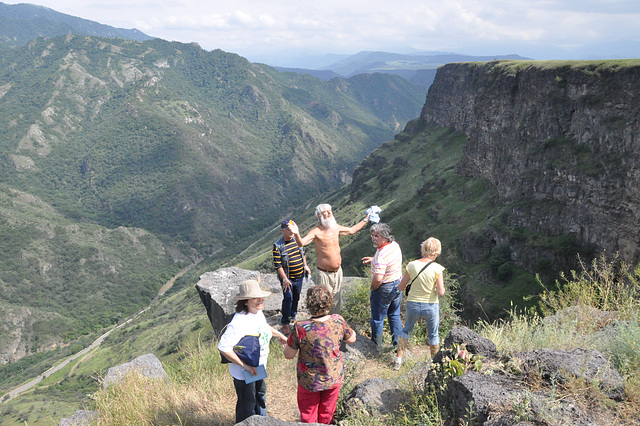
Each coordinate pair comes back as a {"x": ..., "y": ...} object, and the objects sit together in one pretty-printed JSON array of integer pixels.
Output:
[{"x": 425, "y": 267}]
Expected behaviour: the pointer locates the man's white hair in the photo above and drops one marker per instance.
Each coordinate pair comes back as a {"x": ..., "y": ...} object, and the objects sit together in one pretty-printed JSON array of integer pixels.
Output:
[{"x": 322, "y": 208}]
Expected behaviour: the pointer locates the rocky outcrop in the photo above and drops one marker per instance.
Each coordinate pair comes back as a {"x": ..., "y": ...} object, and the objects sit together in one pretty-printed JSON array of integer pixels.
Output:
[
  {"x": 475, "y": 343},
  {"x": 148, "y": 365},
  {"x": 218, "y": 289},
  {"x": 523, "y": 389},
  {"x": 270, "y": 421},
  {"x": 562, "y": 366},
  {"x": 560, "y": 141},
  {"x": 377, "y": 395},
  {"x": 496, "y": 395},
  {"x": 80, "y": 418}
]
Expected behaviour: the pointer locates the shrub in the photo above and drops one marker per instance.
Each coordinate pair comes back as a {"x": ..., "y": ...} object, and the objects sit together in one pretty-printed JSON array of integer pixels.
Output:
[{"x": 605, "y": 285}]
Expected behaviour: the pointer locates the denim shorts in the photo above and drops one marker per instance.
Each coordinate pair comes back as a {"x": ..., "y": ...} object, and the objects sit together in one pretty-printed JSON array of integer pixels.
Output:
[{"x": 431, "y": 314}]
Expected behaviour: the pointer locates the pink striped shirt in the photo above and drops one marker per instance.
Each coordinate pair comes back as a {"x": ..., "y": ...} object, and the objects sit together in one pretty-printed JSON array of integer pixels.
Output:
[{"x": 388, "y": 262}]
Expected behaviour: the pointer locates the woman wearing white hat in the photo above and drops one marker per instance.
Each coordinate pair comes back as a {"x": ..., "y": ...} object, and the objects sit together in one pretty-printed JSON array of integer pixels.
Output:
[{"x": 248, "y": 320}]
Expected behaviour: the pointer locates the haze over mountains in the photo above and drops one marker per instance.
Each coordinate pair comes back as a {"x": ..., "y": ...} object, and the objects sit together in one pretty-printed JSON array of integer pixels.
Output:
[{"x": 22, "y": 23}]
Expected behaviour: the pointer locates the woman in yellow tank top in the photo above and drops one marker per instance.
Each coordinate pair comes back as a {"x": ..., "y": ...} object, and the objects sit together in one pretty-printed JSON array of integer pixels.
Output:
[{"x": 427, "y": 284}]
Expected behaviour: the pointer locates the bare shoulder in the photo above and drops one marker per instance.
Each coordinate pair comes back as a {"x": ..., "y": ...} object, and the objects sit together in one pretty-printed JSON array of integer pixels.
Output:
[{"x": 313, "y": 231}]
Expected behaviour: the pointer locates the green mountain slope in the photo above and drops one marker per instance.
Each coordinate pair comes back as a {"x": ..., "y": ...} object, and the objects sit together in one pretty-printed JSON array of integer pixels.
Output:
[
  {"x": 416, "y": 179},
  {"x": 200, "y": 149},
  {"x": 180, "y": 141},
  {"x": 21, "y": 23},
  {"x": 60, "y": 279}
]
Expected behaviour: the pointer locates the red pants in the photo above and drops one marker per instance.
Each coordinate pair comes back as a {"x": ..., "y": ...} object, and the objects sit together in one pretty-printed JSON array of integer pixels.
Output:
[{"x": 318, "y": 407}]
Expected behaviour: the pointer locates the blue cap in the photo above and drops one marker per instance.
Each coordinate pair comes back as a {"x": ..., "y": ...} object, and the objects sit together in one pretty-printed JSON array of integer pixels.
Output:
[{"x": 285, "y": 223}]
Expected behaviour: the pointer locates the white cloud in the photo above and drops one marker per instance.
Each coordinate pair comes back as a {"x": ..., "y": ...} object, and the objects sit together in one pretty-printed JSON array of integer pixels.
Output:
[{"x": 247, "y": 26}]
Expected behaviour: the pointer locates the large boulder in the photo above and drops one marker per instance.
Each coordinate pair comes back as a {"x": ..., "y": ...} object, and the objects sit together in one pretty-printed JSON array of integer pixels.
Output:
[
  {"x": 218, "y": 290},
  {"x": 80, "y": 418},
  {"x": 148, "y": 365},
  {"x": 359, "y": 350},
  {"x": 496, "y": 400},
  {"x": 560, "y": 366},
  {"x": 480, "y": 396},
  {"x": 475, "y": 343},
  {"x": 376, "y": 395},
  {"x": 498, "y": 395},
  {"x": 270, "y": 421}
]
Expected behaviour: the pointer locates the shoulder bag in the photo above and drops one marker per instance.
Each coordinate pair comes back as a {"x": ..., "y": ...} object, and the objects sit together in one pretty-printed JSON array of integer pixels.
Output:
[
  {"x": 247, "y": 349},
  {"x": 408, "y": 287}
]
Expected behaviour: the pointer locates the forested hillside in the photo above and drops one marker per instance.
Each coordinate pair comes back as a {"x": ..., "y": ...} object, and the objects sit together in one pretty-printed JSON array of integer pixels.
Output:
[
  {"x": 181, "y": 141},
  {"x": 195, "y": 150}
]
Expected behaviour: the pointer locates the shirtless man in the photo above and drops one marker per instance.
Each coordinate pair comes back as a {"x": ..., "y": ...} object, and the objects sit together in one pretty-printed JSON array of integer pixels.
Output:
[{"x": 325, "y": 236}]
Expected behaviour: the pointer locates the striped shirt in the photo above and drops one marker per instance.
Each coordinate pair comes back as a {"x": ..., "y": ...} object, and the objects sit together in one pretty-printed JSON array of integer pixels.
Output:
[
  {"x": 293, "y": 263},
  {"x": 387, "y": 262}
]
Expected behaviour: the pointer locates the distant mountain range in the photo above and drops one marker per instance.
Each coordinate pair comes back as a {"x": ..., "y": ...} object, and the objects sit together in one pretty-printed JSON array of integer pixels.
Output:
[
  {"x": 21, "y": 23},
  {"x": 417, "y": 68}
]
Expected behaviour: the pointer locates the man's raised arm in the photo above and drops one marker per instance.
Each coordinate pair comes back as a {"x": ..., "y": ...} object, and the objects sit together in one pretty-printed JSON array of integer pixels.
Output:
[
  {"x": 355, "y": 228},
  {"x": 301, "y": 242}
]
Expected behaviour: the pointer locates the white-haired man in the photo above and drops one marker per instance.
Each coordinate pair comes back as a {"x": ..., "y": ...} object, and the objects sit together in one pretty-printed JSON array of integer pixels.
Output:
[{"x": 328, "y": 260}]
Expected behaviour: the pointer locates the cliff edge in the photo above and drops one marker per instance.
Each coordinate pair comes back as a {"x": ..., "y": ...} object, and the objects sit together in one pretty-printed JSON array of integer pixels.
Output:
[{"x": 558, "y": 139}]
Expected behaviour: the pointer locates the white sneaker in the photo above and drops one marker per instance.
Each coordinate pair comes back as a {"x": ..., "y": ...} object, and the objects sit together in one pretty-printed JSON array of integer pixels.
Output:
[{"x": 397, "y": 364}]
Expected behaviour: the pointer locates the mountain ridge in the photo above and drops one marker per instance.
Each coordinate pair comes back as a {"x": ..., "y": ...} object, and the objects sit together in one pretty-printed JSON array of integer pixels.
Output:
[{"x": 21, "y": 23}]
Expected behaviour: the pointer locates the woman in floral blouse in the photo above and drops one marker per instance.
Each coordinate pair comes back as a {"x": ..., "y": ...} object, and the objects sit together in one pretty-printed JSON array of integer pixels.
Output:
[{"x": 319, "y": 367}]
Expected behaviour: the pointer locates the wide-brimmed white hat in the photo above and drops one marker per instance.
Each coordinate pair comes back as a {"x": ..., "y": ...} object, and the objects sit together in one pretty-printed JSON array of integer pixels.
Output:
[{"x": 250, "y": 289}]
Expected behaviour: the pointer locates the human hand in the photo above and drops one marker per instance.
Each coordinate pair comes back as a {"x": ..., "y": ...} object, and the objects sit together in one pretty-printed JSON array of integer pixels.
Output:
[
  {"x": 293, "y": 227},
  {"x": 250, "y": 369},
  {"x": 286, "y": 284},
  {"x": 367, "y": 260},
  {"x": 282, "y": 339}
]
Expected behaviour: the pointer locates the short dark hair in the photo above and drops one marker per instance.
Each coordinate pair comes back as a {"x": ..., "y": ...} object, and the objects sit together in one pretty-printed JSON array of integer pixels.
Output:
[
  {"x": 383, "y": 230},
  {"x": 319, "y": 300},
  {"x": 241, "y": 306}
]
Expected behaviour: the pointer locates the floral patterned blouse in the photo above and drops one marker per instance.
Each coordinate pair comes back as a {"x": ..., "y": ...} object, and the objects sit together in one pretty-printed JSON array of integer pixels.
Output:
[{"x": 319, "y": 359}]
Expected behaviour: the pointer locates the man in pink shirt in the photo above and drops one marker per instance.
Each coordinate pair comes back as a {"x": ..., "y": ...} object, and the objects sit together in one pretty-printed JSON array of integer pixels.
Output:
[{"x": 386, "y": 272}]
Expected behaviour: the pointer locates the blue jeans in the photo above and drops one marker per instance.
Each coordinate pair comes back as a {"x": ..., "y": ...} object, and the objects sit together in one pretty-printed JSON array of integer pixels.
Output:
[
  {"x": 251, "y": 399},
  {"x": 290, "y": 300},
  {"x": 385, "y": 301},
  {"x": 431, "y": 314}
]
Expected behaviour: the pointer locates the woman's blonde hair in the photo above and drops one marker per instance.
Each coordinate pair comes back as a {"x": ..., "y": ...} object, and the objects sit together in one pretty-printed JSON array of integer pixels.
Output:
[{"x": 431, "y": 247}]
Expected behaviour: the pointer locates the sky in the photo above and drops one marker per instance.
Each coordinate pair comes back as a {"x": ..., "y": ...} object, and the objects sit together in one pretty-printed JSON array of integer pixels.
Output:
[{"x": 279, "y": 31}]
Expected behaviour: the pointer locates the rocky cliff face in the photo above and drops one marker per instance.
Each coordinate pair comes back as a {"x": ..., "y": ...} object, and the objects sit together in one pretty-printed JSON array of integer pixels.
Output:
[{"x": 559, "y": 140}]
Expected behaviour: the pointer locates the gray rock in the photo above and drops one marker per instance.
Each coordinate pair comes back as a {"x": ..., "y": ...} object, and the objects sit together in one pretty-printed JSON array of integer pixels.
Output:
[
  {"x": 359, "y": 350},
  {"x": 218, "y": 291},
  {"x": 148, "y": 365},
  {"x": 493, "y": 400},
  {"x": 587, "y": 364},
  {"x": 482, "y": 394},
  {"x": 270, "y": 421},
  {"x": 79, "y": 418},
  {"x": 376, "y": 395},
  {"x": 581, "y": 313},
  {"x": 476, "y": 344}
]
